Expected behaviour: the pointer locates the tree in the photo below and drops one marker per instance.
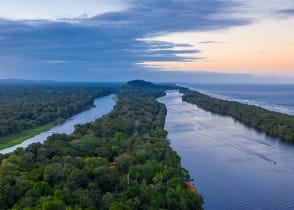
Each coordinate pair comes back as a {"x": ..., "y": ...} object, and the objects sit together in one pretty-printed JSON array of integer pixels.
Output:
[
  {"x": 117, "y": 205},
  {"x": 77, "y": 179}
]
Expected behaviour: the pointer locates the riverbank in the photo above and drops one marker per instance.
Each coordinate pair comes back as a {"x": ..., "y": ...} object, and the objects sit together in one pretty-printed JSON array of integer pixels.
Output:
[
  {"x": 27, "y": 109},
  {"x": 273, "y": 97},
  {"x": 9, "y": 141},
  {"x": 77, "y": 170},
  {"x": 101, "y": 106},
  {"x": 272, "y": 123},
  {"x": 232, "y": 165},
  {"x": 18, "y": 138}
]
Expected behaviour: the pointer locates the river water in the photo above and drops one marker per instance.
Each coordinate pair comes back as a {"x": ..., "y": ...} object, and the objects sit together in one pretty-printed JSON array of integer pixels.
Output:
[
  {"x": 234, "y": 167},
  {"x": 103, "y": 106},
  {"x": 274, "y": 97}
]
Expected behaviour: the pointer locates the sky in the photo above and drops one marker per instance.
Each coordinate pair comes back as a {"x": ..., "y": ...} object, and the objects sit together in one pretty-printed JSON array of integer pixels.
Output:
[{"x": 215, "y": 41}]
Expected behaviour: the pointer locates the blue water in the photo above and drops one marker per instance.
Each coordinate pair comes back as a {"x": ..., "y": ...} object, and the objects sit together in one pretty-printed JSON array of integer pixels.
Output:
[
  {"x": 103, "y": 106},
  {"x": 279, "y": 98},
  {"x": 234, "y": 167}
]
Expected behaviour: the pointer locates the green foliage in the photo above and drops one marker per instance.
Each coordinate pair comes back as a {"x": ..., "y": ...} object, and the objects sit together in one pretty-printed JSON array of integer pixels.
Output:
[
  {"x": 52, "y": 204},
  {"x": 121, "y": 161},
  {"x": 272, "y": 123},
  {"x": 18, "y": 138},
  {"x": 28, "y": 110},
  {"x": 119, "y": 206}
]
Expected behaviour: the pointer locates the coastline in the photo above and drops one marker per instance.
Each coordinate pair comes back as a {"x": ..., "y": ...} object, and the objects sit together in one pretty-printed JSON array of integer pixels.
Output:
[
  {"x": 243, "y": 100},
  {"x": 272, "y": 123}
]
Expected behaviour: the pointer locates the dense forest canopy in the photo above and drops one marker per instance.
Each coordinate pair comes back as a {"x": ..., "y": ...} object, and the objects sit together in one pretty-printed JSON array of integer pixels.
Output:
[
  {"x": 29, "y": 106},
  {"x": 272, "y": 123},
  {"x": 121, "y": 161}
]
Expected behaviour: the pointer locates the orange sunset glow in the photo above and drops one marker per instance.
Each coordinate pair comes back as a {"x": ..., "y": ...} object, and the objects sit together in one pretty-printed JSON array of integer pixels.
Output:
[{"x": 269, "y": 50}]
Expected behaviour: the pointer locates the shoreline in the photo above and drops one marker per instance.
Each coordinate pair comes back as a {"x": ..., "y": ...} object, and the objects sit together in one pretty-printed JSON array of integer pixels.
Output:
[
  {"x": 22, "y": 138},
  {"x": 218, "y": 150},
  {"x": 261, "y": 104},
  {"x": 16, "y": 139},
  {"x": 273, "y": 124}
]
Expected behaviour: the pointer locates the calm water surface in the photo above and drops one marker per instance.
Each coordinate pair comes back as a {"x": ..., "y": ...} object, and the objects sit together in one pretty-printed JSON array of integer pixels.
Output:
[
  {"x": 103, "y": 106},
  {"x": 233, "y": 166},
  {"x": 279, "y": 98}
]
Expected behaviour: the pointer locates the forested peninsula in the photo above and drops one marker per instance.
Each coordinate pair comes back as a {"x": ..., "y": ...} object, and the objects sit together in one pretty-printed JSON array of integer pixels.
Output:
[
  {"x": 121, "y": 161},
  {"x": 272, "y": 123},
  {"x": 28, "y": 109}
]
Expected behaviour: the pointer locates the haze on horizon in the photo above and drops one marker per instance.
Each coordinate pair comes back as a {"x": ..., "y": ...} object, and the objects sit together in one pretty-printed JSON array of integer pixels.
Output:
[{"x": 169, "y": 40}]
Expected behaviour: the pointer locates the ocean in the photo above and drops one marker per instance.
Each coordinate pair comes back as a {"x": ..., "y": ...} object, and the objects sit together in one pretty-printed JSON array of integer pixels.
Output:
[{"x": 278, "y": 98}]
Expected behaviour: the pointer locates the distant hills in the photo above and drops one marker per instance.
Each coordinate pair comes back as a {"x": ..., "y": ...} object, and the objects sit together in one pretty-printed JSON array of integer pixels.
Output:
[{"x": 140, "y": 84}]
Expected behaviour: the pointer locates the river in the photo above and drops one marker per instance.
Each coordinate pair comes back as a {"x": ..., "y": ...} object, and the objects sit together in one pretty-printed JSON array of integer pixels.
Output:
[
  {"x": 234, "y": 167},
  {"x": 102, "y": 106}
]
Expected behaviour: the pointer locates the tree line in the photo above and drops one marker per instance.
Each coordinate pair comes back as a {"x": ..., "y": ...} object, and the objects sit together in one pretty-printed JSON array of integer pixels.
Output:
[
  {"x": 121, "y": 161},
  {"x": 24, "y": 107},
  {"x": 272, "y": 123}
]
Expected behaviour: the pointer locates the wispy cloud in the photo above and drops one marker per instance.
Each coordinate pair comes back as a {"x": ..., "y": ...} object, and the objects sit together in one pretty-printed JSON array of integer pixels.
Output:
[
  {"x": 210, "y": 42},
  {"x": 111, "y": 43}
]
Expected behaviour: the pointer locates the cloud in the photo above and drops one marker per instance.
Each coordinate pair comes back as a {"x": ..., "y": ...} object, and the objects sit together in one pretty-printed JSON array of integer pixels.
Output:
[
  {"x": 109, "y": 45},
  {"x": 55, "y": 9},
  {"x": 210, "y": 42},
  {"x": 156, "y": 17},
  {"x": 287, "y": 11}
]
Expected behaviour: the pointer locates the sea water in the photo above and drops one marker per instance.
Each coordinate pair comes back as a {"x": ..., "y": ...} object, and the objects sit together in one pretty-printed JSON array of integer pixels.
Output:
[{"x": 279, "y": 98}]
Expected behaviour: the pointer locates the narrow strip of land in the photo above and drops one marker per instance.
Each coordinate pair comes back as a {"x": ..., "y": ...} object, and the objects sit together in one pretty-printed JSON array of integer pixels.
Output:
[
  {"x": 272, "y": 123},
  {"x": 121, "y": 161}
]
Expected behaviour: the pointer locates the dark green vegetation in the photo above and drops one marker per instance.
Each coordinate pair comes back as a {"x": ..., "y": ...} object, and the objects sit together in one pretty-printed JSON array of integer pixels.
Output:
[
  {"x": 29, "y": 109},
  {"x": 18, "y": 138},
  {"x": 121, "y": 161},
  {"x": 272, "y": 123}
]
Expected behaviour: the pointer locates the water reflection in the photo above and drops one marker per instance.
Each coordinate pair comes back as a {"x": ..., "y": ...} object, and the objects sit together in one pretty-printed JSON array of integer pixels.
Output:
[{"x": 234, "y": 167}]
